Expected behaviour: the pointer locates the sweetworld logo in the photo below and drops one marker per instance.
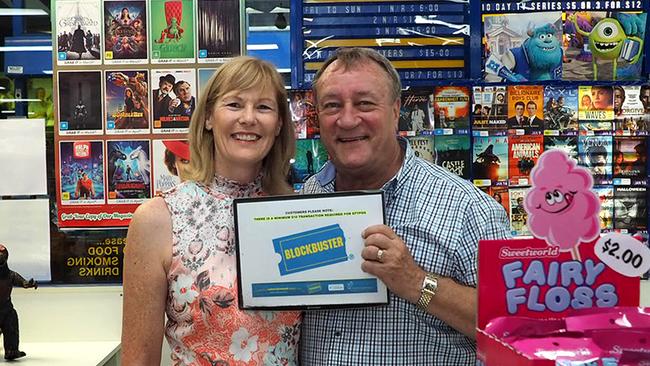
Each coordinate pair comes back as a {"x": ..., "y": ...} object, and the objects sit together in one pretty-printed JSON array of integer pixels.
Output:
[
  {"x": 549, "y": 252},
  {"x": 311, "y": 249}
]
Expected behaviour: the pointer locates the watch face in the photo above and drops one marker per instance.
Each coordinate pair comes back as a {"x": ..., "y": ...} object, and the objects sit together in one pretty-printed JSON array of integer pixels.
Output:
[{"x": 430, "y": 283}]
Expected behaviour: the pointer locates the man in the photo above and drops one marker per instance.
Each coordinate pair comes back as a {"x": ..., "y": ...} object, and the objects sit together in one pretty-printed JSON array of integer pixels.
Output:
[
  {"x": 161, "y": 98},
  {"x": 518, "y": 120},
  {"x": 533, "y": 121},
  {"x": 434, "y": 221},
  {"x": 644, "y": 96},
  {"x": 184, "y": 103},
  {"x": 417, "y": 119},
  {"x": 85, "y": 187}
]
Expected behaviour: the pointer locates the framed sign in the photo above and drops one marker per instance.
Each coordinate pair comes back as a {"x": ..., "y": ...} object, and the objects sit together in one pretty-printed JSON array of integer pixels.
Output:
[{"x": 304, "y": 252}]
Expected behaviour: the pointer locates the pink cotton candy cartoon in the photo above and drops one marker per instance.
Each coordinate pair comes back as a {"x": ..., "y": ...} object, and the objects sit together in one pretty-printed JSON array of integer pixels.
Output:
[{"x": 561, "y": 207}]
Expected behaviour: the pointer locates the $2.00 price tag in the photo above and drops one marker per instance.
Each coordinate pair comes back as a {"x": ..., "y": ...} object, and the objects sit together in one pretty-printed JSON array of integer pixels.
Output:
[{"x": 624, "y": 254}]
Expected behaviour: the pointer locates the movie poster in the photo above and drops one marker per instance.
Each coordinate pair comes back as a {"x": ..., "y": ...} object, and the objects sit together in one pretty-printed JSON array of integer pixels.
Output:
[
  {"x": 523, "y": 153},
  {"x": 490, "y": 108},
  {"x": 453, "y": 153},
  {"x": 81, "y": 172},
  {"x": 423, "y": 147},
  {"x": 40, "y": 90},
  {"x": 606, "y": 214},
  {"x": 560, "y": 110},
  {"x": 525, "y": 108},
  {"x": 414, "y": 115},
  {"x": 595, "y": 153},
  {"x": 127, "y": 102},
  {"x": 500, "y": 194},
  {"x": 172, "y": 31},
  {"x": 522, "y": 48},
  {"x": 490, "y": 165},
  {"x": 128, "y": 171},
  {"x": 598, "y": 47},
  {"x": 302, "y": 110},
  {"x": 568, "y": 144},
  {"x": 125, "y": 32},
  {"x": 310, "y": 158},
  {"x": 170, "y": 161},
  {"x": 451, "y": 107},
  {"x": 630, "y": 208},
  {"x": 173, "y": 99},
  {"x": 629, "y": 111},
  {"x": 630, "y": 158},
  {"x": 596, "y": 109},
  {"x": 204, "y": 77},
  {"x": 218, "y": 28},
  {"x": 78, "y": 32},
  {"x": 80, "y": 102},
  {"x": 518, "y": 214}
]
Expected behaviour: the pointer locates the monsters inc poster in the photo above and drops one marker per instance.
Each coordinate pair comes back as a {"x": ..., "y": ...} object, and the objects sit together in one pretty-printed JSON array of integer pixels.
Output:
[
  {"x": 522, "y": 48},
  {"x": 603, "y": 45},
  {"x": 172, "y": 31}
]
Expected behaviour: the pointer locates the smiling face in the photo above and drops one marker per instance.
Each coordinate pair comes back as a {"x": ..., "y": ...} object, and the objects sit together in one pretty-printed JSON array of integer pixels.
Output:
[
  {"x": 358, "y": 118},
  {"x": 606, "y": 39},
  {"x": 556, "y": 201},
  {"x": 244, "y": 125}
]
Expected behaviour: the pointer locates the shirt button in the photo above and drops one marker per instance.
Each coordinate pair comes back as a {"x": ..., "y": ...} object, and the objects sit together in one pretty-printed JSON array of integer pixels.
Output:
[{"x": 337, "y": 333}]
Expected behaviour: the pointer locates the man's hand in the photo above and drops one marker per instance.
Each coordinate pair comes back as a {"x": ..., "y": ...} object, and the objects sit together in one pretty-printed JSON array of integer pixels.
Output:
[{"x": 395, "y": 266}]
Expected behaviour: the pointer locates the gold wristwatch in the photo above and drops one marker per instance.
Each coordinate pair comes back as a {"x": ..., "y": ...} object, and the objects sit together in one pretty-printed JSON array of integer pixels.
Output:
[{"x": 428, "y": 290}]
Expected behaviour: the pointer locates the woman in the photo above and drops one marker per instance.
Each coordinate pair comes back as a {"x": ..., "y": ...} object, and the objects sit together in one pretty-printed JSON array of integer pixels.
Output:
[{"x": 180, "y": 258}]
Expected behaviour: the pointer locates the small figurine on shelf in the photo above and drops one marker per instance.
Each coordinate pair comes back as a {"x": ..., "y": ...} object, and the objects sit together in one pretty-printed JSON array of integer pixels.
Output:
[{"x": 8, "y": 315}]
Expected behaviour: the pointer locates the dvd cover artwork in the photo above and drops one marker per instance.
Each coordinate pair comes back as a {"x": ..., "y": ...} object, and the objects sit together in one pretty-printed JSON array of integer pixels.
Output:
[
  {"x": 490, "y": 166},
  {"x": 568, "y": 144},
  {"x": 453, "y": 153},
  {"x": 451, "y": 107},
  {"x": 523, "y": 153},
  {"x": 606, "y": 214},
  {"x": 525, "y": 109},
  {"x": 204, "y": 77},
  {"x": 596, "y": 108},
  {"x": 414, "y": 115},
  {"x": 300, "y": 107},
  {"x": 423, "y": 147},
  {"x": 630, "y": 158},
  {"x": 522, "y": 48},
  {"x": 603, "y": 46},
  {"x": 80, "y": 103},
  {"x": 309, "y": 159},
  {"x": 125, "y": 31},
  {"x": 174, "y": 101},
  {"x": 170, "y": 161},
  {"x": 518, "y": 214},
  {"x": 172, "y": 31},
  {"x": 218, "y": 29},
  {"x": 561, "y": 109},
  {"x": 128, "y": 171},
  {"x": 127, "y": 101},
  {"x": 501, "y": 195},
  {"x": 595, "y": 153},
  {"x": 629, "y": 111},
  {"x": 81, "y": 169},
  {"x": 630, "y": 208},
  {"x": 78, "y": 32},
  {"x": 490, "y": 108}
]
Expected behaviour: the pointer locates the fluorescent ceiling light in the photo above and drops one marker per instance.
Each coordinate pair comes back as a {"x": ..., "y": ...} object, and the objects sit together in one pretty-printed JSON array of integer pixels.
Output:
[
  {"x": 250, "y": 10},
  {"x": 18, "y": 100},
  {"x": 16, "y": 12},
  {"x": 261, "y": 47},
  {"x": 25, "y": 48},
  {"x": 278, "y": 9}
]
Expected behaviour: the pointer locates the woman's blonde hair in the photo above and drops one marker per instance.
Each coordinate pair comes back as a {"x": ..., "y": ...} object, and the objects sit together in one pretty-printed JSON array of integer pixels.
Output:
[{"x": 242, "y": 73}]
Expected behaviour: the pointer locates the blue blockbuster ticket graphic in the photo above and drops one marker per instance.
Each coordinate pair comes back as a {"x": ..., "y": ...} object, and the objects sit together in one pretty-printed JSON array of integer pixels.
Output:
[
  {"x": 383, "y": 20},
  {"x": 332, "y": 287},
  {"x": 311, "y": 249},
  {"x": 386, "y": 8}
]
